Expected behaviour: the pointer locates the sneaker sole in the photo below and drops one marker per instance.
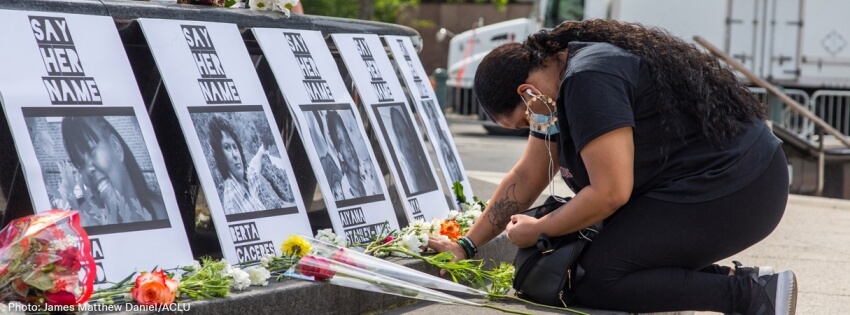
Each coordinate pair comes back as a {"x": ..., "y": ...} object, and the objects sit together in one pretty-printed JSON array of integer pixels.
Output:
[{"x": 786, "y": 295}]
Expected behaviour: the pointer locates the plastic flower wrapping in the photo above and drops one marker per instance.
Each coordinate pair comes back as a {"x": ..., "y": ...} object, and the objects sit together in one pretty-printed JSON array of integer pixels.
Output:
[
  {"x": 331, "y": 252},
  {"x": 321, "y": 269},
  {"x": 46, "y": 259}
]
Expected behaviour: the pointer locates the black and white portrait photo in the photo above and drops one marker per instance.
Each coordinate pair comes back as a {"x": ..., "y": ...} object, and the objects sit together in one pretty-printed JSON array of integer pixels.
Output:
[
  {"x": 99, "y": 166},
  {"x": 448, "y": 153},
  {"x": 343, "y": 153},
  {"x": 409, "y": 156},
  {"x": 248, "y": 172}
]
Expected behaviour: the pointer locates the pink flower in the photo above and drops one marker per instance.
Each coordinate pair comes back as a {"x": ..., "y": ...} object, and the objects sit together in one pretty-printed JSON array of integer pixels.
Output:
[{"x": 388, "y": 239}]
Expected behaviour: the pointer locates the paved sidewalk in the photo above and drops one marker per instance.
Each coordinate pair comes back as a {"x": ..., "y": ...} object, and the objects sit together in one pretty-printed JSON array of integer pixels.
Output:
[{"x": 813, "y": 240}]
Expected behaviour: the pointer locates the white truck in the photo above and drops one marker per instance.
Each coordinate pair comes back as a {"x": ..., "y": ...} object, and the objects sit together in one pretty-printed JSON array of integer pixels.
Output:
[{"x": 799, "y": 45}]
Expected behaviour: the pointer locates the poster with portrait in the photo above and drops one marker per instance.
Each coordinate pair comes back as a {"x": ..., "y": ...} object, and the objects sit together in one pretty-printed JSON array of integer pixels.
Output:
[
  {"x": 232, "y": 136},
  {"x": 398, "y": 134},
  {"x": 425, "y": 100},
  {"x": 85, "y": 140},
  {"x": 333, "y": 134}
]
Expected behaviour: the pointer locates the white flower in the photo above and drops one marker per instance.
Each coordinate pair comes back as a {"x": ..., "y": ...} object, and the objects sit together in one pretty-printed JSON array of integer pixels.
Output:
[
  {"x": 434, "y": 232},
  {"x": 453, "y": 214},
  {"x": 284, "y": 6},
  {"x": 475, "y": 207},
  {"x": 326, "y": 235},
  {"x": 476, "y": 217},
  {"x": 411, "y": 242},
  {"x": 463, "y": 207},
  {"x": 258, "y": 275},
  {"x": 239, "y": 279},
  {"x": 341, "y": 241},
  {"x": 202, "y": 219},
  {"x": 259, "y": 4},
  {"x": 266, "y": 260},
  {"x": 472, "y": 214},
  {"x": 421, "y": 225}
]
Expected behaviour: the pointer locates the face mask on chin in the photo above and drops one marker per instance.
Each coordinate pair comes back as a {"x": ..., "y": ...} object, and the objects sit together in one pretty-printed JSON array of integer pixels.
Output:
[
  {"x": 544, "y": 124},
  {"x": 540, "y": 123}
]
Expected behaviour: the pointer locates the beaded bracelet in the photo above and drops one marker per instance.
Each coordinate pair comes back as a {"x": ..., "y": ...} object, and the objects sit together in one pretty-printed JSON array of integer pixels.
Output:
[{"x": 468, "y": 246}]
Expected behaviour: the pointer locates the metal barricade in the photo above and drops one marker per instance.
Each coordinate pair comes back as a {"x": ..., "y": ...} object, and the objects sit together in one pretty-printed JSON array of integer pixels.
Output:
[
  {"x": 790, "y": 119},
  {"x": 834, "y": 108}
]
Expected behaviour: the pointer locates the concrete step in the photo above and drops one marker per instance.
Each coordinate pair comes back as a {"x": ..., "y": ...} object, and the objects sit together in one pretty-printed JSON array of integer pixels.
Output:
[{"x": 302, "y": 297}]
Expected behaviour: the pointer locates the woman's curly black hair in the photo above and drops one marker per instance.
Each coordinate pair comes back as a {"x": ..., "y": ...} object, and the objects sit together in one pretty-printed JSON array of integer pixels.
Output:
[{"x": 690, "y": 84}]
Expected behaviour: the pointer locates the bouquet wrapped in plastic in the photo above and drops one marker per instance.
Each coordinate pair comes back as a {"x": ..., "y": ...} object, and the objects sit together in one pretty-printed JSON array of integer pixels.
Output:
[
  {"x": 373, "y": 264},
  {"x": 46, "y": 259}
]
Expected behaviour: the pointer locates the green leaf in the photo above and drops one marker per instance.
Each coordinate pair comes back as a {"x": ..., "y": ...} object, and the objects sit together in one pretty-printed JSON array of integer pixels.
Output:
[
  {"x": 229, "y": 3},
  {"x": 122, "y": 282},
  {"x": 40, "y": 280},
  {"x": 458, "y": 191}
]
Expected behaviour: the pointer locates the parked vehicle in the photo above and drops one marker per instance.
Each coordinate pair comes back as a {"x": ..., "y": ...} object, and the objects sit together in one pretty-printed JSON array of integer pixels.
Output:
[{"x": 795, "y": 44}]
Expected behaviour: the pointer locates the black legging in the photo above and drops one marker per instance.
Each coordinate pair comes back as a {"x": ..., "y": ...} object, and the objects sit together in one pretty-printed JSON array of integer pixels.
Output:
[{"x": 656, "y": 256}]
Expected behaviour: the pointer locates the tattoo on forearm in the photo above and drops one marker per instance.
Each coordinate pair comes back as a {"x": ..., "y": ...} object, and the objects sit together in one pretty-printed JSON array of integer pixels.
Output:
[{"x": 502, "y": 209}]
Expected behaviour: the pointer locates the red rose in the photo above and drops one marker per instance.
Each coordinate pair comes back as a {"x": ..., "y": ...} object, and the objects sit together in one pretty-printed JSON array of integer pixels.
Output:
[
  {"x": 69, "y": 258},
  {"x": 343, "y": 257},
  {"x": 60, "y": 298},
  {"x": 316, "y": 267}
]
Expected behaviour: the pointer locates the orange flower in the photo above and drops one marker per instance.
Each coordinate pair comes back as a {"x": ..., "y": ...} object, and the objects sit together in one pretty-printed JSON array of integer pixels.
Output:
[
  {"x": 450, "y": 229},
  {"x": 154, "y": 288}
]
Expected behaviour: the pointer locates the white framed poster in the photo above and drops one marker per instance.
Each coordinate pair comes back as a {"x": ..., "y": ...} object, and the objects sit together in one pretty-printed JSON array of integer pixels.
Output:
[
  {"x": 398, "y": 133},
  {"x": 333, "y": 134},
  {"x": 241, "y": 160},
  {"x": 85, "y": 140},
  {"x": 425, "y": 100}
]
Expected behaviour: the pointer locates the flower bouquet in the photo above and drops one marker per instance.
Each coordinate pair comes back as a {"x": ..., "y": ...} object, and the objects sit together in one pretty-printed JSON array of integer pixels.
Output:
[
  {"x": 355, "y": 271},
  {"x": 373, "y": 264},
  {"x": 45, "y": 259}
]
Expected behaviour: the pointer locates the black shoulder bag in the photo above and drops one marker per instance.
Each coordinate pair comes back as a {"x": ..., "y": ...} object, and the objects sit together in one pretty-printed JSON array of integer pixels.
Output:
[{"x": 547, "y": 272}]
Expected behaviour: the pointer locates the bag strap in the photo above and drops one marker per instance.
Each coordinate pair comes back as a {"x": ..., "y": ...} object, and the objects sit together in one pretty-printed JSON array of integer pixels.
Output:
[{"x": 544, "y": 245}]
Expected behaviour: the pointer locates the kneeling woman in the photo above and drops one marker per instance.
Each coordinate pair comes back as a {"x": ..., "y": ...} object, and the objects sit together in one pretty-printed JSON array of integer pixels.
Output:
[{"x": 661, "y": 143}]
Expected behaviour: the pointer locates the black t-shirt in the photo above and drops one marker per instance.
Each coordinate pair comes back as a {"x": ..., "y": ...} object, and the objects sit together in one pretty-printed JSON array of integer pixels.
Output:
[{"x": 605, "y": 88}]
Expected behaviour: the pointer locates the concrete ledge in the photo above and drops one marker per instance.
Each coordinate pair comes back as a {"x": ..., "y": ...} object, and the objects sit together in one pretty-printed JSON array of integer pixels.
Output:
[{"x": 302, "y": 297}]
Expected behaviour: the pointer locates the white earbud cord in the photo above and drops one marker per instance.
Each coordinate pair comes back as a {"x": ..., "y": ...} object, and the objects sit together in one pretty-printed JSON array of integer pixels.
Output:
[
  {"x": 547, "y": 139},
  {"x": 551, "y": 171}
]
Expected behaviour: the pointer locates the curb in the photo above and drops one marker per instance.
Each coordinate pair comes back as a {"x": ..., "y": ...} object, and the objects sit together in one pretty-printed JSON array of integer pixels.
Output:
[{"x": 820, "y": 202}]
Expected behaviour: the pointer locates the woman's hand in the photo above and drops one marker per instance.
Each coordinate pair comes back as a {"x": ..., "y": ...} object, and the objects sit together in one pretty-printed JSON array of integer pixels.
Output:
[
  {"x": 522, "y": 231},
  {"x": 444, "y": 245}
]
